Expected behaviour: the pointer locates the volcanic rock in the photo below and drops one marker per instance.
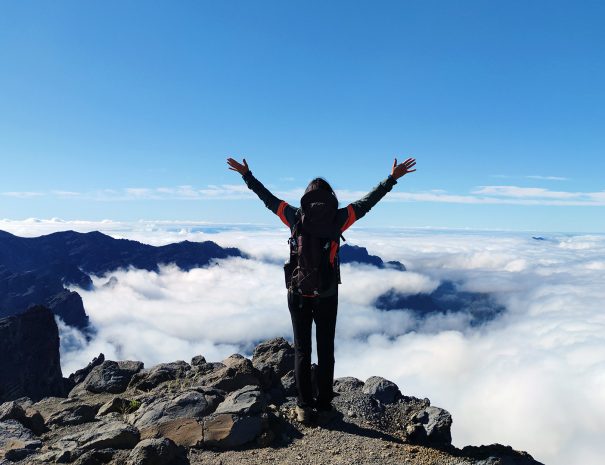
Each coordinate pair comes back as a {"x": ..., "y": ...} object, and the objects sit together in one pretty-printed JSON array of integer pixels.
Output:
[
  {"x": 246, "y": 400},
  {"x": 29, "y": 356},
  {"x": 111, "y": 376},
  {"x": 273, "y": 359},
  {"x": 149, "y": 379},
  {"x": 227, "y": 431},
  {"x": 160, "y": 451}
]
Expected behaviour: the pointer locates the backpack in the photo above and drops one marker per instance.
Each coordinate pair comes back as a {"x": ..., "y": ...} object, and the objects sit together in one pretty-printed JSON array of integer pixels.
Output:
[{"x": 313, "y": 268}]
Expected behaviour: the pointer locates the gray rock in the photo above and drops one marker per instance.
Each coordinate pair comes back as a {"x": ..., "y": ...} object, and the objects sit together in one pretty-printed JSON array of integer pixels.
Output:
[
  {"x": 30, "y": 365},
  {"x": 158, "y": 374},
  {"x": 198, "y": 360},
  {"x": 273, "y": 359},
  {"x": 11, "y": 411},
  {"x": 381, "y": 389},
  {"x": 497, "y": 454},
  {"x": 186, "y": 432},
  {"x": 347, "y": 384},
  {"x": 95, "y": 457},
  {"x": 190, "y": 404},
  {"x": 111, "y": 376},
  {"x": 81, "y": 374},
  {"x": 110, "y": 435},
  {"x": 244, "y": 401},
  {"x": 437, "y": 424},
  {"x": 17, "y": 441},
  {"x": 356, "y": 404},
  {"x": 226, "y": 430},
  {"x": 288, "y": 383},
  {"x": 22, "y": 411},
  {"x": 161, "y": 451},
  {"x": 73, "y": 415},
  {"x": 235, "y": 373}
]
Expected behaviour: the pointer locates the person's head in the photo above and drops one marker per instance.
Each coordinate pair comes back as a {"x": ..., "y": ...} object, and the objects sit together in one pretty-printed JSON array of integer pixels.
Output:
[{"x": 321, "y": 183}]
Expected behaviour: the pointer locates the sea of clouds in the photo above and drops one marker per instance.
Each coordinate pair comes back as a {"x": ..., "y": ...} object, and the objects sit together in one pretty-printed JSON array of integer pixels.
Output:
[{"x": 534, "y": 378}]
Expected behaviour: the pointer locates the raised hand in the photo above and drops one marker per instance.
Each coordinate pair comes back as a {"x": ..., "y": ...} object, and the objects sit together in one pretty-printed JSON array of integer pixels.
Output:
[
  {"x": 236, "y": 166},
  {"x": 402, "y": 169}
]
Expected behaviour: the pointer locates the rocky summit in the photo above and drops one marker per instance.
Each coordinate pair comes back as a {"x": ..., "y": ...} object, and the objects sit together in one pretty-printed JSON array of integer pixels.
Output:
[{"x": 239, "y": 410}]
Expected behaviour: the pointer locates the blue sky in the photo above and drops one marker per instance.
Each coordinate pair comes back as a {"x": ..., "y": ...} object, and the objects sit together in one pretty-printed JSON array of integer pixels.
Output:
[{"x": 128, "y": 110}]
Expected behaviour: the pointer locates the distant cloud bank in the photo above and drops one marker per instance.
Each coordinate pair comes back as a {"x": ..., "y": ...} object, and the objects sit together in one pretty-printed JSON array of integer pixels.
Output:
[{"x": 491, "y": 195}]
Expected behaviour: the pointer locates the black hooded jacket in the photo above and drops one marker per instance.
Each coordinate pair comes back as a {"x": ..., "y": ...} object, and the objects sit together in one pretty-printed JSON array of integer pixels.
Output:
[{"x": 345, "y": 217}]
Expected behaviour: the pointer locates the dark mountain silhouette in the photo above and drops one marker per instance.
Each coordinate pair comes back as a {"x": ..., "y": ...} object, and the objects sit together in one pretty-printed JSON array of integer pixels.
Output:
[
  {"x": 356, "y": 254},
  {"x": 479, "y": 307},
  {"x": 35, "y": 270}
]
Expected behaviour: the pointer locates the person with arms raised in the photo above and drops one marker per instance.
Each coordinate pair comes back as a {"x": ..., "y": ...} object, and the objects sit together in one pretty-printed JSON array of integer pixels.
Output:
[{"x": 312, "y": 274}]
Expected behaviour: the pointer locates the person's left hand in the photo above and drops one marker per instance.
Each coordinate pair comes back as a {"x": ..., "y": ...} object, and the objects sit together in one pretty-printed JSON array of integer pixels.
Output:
[
  {"x": 402, "y": 169},
  {"x": 236, "y": 166}
]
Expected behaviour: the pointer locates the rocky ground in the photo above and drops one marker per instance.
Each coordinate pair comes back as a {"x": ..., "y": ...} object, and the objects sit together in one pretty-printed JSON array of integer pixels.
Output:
[{"x": 233, "y": 412}]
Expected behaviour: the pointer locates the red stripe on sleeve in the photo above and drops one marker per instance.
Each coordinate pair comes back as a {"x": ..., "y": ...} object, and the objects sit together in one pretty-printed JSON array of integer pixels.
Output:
[
  {"x": 280, "y": 213},
  {"x": 350, "y": 219}
]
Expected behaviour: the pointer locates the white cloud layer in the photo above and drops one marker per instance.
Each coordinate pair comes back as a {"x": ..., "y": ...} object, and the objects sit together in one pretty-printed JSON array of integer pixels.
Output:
[
  {"x": 490, "y": 195},
  {"x": 533, "y": 379}
]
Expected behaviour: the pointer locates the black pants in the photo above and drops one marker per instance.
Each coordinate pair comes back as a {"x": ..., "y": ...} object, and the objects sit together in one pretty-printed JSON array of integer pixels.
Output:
[{"x": 303, "y": 311}]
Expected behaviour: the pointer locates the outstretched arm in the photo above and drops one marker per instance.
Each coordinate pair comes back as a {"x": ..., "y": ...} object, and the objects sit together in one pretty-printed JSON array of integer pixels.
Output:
[
  {"x": 281, "y": 208},
  {"x": 359, "y": 208}
]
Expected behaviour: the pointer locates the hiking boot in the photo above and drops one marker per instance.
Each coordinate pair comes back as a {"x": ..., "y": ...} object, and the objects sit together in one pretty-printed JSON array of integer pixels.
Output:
[{"x": 304, "y": 414}]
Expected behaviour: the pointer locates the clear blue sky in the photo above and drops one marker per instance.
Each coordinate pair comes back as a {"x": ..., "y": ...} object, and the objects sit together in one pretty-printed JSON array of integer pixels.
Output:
[{"x": 108, "y": 108}]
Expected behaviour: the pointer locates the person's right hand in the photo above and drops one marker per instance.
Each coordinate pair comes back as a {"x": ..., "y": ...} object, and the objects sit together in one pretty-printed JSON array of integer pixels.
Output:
[{"x": 235, "y": 166}]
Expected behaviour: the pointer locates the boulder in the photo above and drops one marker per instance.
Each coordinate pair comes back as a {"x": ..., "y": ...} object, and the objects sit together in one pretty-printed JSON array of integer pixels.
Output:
[
  {"x": 103, "y": 435},
  {"x": 147, "y": 380},
  {"x": 381, "y": 389},
  {"x": 347, "y": 384},
  {"x": 30, "y": 364},
  {"x": 17, "y": 441},
  {"x": 73, "y": 415},
  {"x": 436, "y": 426},
  {"x": 247, "y": 400},
  {"x": 198, "y": 360},
  {"x": 187, "y": 432},
  {"x": 111, "y": 376},
  {"x": 227, "y": 431},
  {"x": 95, "y": 457},
  {"x": 161, "y": 451},
  {"x": 356, "y": 404},
  {"x": 235, "y": 373},
  {"x": 11, "y": 411},
  {"x": 497, "y": 454},
  {"x": 24, "y": 414},
  {"x": 189, "y": 404},
  {"x": 273, "y": 359},
  {"x": 81, "y": 374}
]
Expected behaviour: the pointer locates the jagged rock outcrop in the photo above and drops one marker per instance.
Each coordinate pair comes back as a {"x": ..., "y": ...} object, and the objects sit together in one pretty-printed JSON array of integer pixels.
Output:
[
  {"x": 29, "y": 356},
  {"x": 274, "y": 359},
  {"x": 170, "y": 413}
]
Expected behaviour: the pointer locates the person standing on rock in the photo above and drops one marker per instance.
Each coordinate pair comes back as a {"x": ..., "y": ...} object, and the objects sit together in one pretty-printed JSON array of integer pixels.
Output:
[{"x": 312, "y": 274}]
